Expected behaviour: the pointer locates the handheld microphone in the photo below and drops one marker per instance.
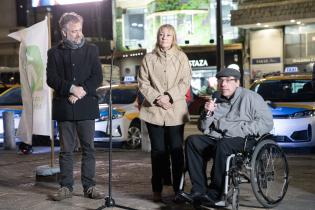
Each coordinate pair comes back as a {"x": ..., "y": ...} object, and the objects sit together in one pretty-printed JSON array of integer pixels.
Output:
[{"x": 215, "y": 96}]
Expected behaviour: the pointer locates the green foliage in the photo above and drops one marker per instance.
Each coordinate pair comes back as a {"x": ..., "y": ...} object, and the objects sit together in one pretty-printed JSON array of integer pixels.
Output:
[
  {"x": 168, "y": 5},
  {"x": 119, "y": 12},
  {"x": 119, "y": 44}
]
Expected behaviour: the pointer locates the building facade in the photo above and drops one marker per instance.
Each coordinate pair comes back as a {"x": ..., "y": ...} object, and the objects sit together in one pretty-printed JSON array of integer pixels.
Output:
[
  {"x": 279, "y": 35},
  {"x": 195, "y": 23}
]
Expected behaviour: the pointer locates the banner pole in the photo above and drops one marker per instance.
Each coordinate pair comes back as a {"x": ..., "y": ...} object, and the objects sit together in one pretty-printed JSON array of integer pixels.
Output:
[{"x": 52, "y": 136}]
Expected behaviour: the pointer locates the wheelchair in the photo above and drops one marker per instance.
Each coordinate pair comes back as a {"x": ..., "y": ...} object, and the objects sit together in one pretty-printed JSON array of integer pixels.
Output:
[{"x": 264, "y": 165}]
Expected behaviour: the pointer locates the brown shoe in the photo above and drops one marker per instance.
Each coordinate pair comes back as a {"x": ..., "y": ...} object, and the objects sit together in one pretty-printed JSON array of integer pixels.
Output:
[
  {"x": 61, "y": 194},
  {"x": 157, "y": 197},
  {"x": 93, "y": 193}
]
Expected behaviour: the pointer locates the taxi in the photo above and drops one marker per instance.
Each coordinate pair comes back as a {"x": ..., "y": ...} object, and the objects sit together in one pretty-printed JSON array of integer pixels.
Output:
[
  {"x": 126, "y": 125},
  {"x": 291, "y": 98}
]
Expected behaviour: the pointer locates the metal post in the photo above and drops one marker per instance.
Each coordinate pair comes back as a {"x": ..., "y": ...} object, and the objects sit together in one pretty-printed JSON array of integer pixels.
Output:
[
  {"x": 220, "y": 46},
  {"x": 9, "y": 133}
]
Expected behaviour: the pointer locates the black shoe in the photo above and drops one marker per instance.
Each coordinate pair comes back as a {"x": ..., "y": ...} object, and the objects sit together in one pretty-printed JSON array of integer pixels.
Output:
[
  {"x": 25, "y": 148},
  {"x": 187, "y": 197},
  {"x": 205, "y": 200}
]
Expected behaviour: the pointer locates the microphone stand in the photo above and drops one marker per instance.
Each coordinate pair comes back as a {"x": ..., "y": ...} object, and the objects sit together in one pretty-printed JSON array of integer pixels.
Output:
[{"x": 109, "y": 200}]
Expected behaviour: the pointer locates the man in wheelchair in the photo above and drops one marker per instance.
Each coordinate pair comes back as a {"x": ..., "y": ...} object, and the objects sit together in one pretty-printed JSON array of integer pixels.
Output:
[{"x": 232, "y": 114}]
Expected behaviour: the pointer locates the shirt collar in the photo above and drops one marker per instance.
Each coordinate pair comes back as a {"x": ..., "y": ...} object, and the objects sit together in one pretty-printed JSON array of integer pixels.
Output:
[{"x": 171, "y": 51}]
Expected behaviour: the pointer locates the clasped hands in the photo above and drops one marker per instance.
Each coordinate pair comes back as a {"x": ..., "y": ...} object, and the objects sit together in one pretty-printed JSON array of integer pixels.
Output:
[
  {"x": 164, "y": 101},
  {"x": 77, "y": 93}
]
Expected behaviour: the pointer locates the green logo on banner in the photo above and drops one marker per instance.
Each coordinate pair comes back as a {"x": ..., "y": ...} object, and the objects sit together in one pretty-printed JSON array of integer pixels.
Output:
[{"x": 35, "y": 67}]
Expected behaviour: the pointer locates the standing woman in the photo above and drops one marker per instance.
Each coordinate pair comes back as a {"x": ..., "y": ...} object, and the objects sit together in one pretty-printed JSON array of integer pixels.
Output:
[{"x": 164, "y": 79}]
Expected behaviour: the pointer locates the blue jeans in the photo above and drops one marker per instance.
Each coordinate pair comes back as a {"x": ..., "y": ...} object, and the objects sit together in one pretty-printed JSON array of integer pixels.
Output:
[{"x": 68, "y": 132}]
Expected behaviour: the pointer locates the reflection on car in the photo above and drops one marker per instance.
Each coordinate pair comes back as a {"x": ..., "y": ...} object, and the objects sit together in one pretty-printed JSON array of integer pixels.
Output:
[
  {"x": 10, "y": 101},
  {"x": 126, "y": 127},
  {"x": 292, "y": 102}
]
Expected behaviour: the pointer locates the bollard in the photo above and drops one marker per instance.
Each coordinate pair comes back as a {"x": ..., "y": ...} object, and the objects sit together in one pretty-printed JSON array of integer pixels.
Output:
[
  {"x": 9, "y": 132},
  {"x": 145, "y": 142}
]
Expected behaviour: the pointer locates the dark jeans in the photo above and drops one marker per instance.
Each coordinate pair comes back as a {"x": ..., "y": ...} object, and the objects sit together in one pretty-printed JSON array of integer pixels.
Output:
[
  {"x": 165, "y": 141},
  {"x": 85, "y": 132},
  {"x": 199, "y": 150}
]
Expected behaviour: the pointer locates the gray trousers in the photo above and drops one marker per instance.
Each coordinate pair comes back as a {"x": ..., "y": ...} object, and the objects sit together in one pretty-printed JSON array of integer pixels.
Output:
[{"x": 67, "y": 134}]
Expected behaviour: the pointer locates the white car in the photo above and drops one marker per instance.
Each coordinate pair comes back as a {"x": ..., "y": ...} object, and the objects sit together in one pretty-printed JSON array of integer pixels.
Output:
[
  {"x": 126, "y": 126},
  {"x": 10, "y": 101},
  {"x": 292, "y": 102},
  {"x": 126, "y": 129}
]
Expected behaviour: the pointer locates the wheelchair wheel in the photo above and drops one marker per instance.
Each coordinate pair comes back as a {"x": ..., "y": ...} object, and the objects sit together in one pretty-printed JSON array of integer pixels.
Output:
[{"x": 269, "y": 173}]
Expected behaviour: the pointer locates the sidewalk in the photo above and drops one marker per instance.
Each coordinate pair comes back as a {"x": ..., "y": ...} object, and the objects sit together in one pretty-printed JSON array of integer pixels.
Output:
[
  {"x": 131, "y": 188},
  {"x": 130, "y": 184}
]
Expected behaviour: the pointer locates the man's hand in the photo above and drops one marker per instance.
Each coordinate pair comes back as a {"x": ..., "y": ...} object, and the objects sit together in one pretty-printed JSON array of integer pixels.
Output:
[
  {"x": 78, "y": 91},
  {"x": 72, "y": 99},
  {"x": 210, "y": 106}
]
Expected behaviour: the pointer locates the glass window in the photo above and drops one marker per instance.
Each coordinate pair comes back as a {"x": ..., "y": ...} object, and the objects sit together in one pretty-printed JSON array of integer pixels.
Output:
[
  {"x": 299, "y": 41},
  {"x": 286, "y": 90},
  {"x": 169, "y": 19},
  {"x": 136, "y": 23},
  {"x": 203, "y": 81},
  {"x": 119, "y": 96}
]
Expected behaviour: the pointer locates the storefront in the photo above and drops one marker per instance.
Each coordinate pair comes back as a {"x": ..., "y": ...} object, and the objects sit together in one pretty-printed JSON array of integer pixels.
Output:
[
  {"x": 203, "y": 63},
  {"x": 279, "y": 35}
]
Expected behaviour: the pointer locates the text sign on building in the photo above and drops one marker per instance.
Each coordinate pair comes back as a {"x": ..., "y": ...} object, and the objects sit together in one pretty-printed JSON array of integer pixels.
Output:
[
  {"x": 266, "y": 60},
  {"x": 198, "y": 63}
]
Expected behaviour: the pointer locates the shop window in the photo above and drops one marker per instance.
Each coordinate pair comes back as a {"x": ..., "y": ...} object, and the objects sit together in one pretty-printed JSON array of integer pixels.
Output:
[
  {"x": 299, "y": 41},
  {"x": 169, "y": 19}
]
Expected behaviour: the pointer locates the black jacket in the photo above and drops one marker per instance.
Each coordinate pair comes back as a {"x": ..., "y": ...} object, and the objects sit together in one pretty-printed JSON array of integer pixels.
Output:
[{"x": 66, "y": 67}]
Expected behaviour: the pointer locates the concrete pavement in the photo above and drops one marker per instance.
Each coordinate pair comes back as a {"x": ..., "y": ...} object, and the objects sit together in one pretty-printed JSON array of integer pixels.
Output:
[{"x": 131, "y": 183}]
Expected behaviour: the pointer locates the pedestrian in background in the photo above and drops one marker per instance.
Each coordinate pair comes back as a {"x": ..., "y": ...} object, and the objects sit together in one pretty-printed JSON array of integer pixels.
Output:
[
  {"x": 164, "y": 79},
  {"x": 74, "y": 72}
]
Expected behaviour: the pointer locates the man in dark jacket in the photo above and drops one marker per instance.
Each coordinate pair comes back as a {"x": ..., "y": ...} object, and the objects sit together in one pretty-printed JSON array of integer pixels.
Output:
[{"x": 74, "y": 72}]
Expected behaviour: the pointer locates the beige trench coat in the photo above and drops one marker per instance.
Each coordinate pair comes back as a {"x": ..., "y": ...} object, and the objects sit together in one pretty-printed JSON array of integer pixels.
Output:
[{"x": 165, "y": 72}]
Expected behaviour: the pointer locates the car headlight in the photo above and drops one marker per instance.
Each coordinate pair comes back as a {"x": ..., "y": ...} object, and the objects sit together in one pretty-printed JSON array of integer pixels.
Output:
[
  {"x": 117, "y": 115},
  {"x": 306, "y": 113}
]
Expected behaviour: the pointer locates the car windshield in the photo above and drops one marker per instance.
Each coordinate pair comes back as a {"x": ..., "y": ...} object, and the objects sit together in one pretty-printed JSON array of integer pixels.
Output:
[
  {"x": 119, "y": 96},
  {"x": 286, "y": 90},
  {"x": 13, "y": 97}
]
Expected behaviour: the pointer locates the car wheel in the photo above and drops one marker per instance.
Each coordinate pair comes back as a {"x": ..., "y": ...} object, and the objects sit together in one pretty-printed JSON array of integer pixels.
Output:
[{"x": 134, "y": 136}]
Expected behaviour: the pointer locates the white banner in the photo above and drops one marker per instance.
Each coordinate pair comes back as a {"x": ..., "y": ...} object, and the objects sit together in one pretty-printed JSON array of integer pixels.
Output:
[{"x": 36, "y": 95}]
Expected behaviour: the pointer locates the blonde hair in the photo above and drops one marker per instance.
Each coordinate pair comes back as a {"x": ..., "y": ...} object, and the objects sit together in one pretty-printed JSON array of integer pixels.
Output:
[{"x": 172, "y": 29}]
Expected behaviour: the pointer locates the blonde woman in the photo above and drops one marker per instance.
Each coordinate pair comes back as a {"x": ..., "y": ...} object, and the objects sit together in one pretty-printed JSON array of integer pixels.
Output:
[{"x": 164, "y": 78}]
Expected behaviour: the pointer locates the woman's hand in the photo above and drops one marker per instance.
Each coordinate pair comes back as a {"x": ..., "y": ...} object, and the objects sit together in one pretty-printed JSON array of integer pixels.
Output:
[{"x": 164, "y": 102}]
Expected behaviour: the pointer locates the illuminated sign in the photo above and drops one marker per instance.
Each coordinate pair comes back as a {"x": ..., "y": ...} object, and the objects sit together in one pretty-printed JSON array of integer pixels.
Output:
[
  {"x": 291, "y": 69},
  {"x": 266, "y": 60},
  {"x": 39, "y": 3},
  {"x": 198, "y": 63}
]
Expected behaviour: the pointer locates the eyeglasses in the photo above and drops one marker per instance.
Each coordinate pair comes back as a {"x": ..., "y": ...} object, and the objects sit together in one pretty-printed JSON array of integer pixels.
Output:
[{"x": 225, "y": 80}]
